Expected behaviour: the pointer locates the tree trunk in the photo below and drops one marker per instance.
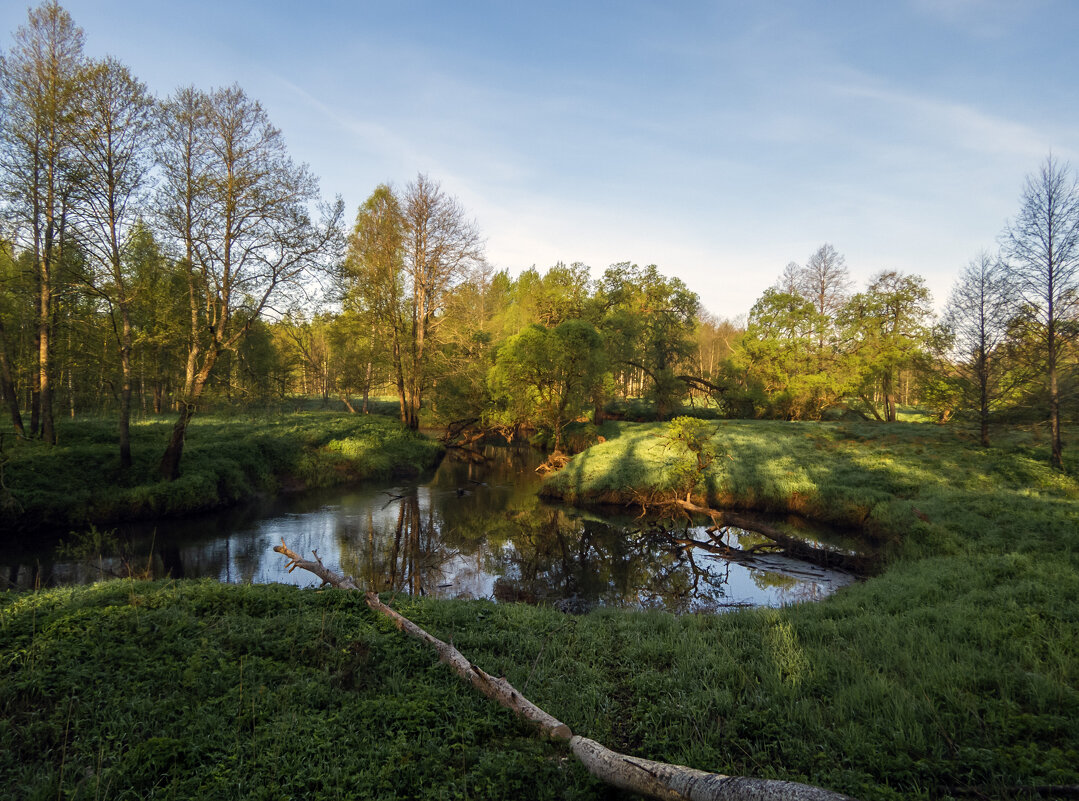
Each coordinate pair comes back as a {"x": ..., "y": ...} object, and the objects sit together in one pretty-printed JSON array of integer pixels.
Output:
[
  {"x": 1056, "y": 459},
  {"x": 7, "y": 387},
  {"x": 125, "y": 389},
  {"x": 48, "y": 429},
  {"x": 367, "y": 387},
  {"x": 399, "y": 369},
  {"x": 169, "y": 467}
]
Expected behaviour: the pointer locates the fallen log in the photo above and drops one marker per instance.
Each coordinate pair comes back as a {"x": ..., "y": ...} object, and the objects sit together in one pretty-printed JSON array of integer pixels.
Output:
[{"x": 642, "y": 776}]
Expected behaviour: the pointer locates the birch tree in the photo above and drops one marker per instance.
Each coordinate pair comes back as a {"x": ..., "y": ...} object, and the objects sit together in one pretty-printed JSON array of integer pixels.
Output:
[
  {"x": 39, "y": 105},
  {"x": 114, "y": 146},
  {"x": 237, "y": 208},
  {"x": 441, "y": 246}
]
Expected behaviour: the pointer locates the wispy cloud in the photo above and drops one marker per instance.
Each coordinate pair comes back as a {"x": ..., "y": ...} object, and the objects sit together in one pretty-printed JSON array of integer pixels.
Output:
[{"x": 956, "y": 124}]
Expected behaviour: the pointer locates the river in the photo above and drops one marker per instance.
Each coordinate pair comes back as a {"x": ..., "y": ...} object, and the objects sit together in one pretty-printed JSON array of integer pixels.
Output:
[{"x": 471, "y": 530}]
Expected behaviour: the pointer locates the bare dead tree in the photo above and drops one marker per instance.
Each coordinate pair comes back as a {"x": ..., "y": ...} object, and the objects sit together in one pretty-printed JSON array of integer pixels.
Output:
[
  {"x": 790, "y": 280},
  {"x": 825, "y": 281}
]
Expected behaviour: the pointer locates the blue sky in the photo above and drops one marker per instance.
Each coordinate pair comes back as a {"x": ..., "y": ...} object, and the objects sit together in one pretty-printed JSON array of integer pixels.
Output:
[{"x": 717, "y": 140}]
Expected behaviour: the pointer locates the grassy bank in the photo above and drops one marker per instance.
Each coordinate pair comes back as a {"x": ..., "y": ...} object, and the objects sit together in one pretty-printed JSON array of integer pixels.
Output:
[
  {"x": 79, "y": 482},
  {"x": 924, "y": 489},
  {"x": 955, "y": 674}
]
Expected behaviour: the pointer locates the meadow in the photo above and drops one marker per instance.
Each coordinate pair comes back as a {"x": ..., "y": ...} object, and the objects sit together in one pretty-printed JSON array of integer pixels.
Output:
[
  {"x": 226, "y": 459},
  {"x": 953, "y": 674}
]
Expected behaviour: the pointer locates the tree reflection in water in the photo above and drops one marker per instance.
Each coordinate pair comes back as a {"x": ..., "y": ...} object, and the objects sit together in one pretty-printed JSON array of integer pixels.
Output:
[{"x": 471, "y": 530}]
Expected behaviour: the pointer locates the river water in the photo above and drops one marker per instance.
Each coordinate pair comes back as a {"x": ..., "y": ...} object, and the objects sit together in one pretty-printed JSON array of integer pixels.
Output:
[{"x": 472, "y": 530}]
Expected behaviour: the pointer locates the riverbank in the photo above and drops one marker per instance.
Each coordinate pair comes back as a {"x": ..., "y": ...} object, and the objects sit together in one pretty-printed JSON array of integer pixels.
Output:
[
  {"x": 952, "y": 675},
  {"x": 78, "y": 482},
  {"x": 919, "y": 489}
]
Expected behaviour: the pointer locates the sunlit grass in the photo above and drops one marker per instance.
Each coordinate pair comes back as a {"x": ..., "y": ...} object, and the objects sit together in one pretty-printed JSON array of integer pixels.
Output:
[
  {"x": 225, "y": 459},
  {"x": 955, "y": 671}
]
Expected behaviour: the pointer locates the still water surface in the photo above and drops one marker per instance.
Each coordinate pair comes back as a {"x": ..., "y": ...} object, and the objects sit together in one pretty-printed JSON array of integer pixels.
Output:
[{"x": 472, "y": 530}]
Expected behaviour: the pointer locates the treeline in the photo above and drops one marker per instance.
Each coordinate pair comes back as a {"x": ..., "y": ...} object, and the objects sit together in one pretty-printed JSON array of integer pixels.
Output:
[
  {"x": 140, "y": 233},
  {"x": 1004, "y": 347},
  {"x": 165, "y": 255}
]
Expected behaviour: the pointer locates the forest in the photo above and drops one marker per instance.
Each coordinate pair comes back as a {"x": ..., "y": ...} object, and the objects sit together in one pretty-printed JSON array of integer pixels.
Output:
[{"x": 165, "y": 255}]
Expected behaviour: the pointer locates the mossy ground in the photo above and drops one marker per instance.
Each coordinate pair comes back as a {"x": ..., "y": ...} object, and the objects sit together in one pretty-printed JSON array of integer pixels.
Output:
[
  {"x": 956, "y": 670},
  {"x": 225, "y": 460}
]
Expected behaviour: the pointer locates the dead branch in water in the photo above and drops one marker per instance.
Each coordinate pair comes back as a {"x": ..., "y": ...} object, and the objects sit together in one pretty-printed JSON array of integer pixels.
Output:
[
  {"x": 791, "y": 546},
  {"x": 643, "y": 776}
]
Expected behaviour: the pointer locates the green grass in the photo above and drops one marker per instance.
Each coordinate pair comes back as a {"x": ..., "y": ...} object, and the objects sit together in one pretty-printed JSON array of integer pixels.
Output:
[
  {"x": 923, "y": 489},
  {"x": 199, "y": 690},
  {"x": 225, "y": 460},
  {"x": 957, "y": 668}
]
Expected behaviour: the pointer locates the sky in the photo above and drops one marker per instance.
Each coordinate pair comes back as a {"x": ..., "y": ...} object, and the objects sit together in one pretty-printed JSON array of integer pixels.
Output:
[{"x": 716, "y": 140}]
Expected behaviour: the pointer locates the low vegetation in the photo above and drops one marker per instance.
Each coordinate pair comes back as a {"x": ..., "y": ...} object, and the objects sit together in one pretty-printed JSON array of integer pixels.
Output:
[
  {"x": 953, "y": 674},
  {"x": 922, "y": 489},
  {"x": 79, "y": 481}
]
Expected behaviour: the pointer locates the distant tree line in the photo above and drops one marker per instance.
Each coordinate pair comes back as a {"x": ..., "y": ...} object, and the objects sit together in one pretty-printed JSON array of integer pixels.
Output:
[
  {"x": 159, "y": 256},
  {"x": 1005, "y": 347}
]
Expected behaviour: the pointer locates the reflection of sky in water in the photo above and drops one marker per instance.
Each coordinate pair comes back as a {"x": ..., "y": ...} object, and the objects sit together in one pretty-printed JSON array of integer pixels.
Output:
[{"x": 455, "y": 537}]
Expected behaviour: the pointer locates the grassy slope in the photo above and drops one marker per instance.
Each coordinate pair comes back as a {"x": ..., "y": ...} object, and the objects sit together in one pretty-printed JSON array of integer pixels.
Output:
[
  {"x": 225, "y": 460},
  {"x": 957, "y": 667}
]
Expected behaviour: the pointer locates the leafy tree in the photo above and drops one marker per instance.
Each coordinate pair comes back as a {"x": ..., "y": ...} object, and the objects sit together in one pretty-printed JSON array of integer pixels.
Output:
[
  {"x": 693, "y": 437},
  {"x": 237, "y": 207},
  {"x": 7, "y": 368},
  {"x": 440, "y": 248},
  {"x": 406, "y": 255},
  {"x": 460, "y": 396},
  {"x": 159, "y": 312},
  {"x": 648, "y": 325},
  {"x": 376, "y": 282},
  {"x": 888, "y": 328},
  {"x": 39, "y": 93},
  {"x": 113, "y": 143},
  {"x": 777, "y": 356},
  {"x": 1041, "y": 249},
  {"x": 547, "y": 376}
]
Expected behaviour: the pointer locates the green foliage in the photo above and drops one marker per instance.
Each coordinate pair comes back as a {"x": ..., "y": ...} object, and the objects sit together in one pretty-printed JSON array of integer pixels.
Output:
[
  {"x": 78, "y": 482},
  {"x": 952, "y": 669},
  {"x": 783, "y": 369},
  {"x": 197, "y": 690},
  {"x": 547, "y": 377},
  {"x": 887, "y": 324},
  {"x": 648, "y": 327},
  {"x": 692, "y": 437},
  {"x": 945, "y": 672},
  {"x": 881, "y": 479}
]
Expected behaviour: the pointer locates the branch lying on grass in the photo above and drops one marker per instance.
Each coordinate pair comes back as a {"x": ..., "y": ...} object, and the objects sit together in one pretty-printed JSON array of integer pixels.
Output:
[{"x": 642, "y": 776}]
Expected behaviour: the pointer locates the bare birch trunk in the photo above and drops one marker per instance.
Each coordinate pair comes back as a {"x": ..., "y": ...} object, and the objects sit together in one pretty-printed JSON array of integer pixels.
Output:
[{"x": 643, "y": 776}]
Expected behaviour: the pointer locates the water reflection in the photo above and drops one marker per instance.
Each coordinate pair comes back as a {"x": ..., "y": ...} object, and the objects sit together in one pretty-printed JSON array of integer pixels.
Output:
[{"x": 471, "y": 531}]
